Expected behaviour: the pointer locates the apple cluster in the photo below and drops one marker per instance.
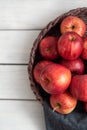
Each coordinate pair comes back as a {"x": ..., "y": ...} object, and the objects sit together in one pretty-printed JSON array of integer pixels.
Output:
[{"x": 64, "y": 79}]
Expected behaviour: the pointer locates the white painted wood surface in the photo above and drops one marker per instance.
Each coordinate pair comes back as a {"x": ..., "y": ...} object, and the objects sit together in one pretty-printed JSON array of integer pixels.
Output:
[
  {"x": 15, "y": 46},
  {"x": 14, "y": 82},
  {"x": 20, "y": 24},
  {"x": 31, "y": 14},
  {"x": 21, "y": 115}
]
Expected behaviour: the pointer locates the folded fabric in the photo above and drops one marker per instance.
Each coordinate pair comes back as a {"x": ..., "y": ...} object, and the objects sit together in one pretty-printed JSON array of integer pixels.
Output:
[{"x": 76, "y": 120}]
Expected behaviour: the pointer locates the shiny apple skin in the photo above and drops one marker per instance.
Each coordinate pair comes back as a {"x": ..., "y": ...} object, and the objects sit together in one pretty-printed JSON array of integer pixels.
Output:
[
  {"x": 75, "y": 66},
  {"x": 48, "y": 48},
  {"x": 73, "y": 24},
  {"x": 63, "y": 103},
  {"x": 55, "y": 78},
  {"x": 84, "y": 52},
  {"x": 78, "y": 87},
  {"x": 70, "y": 46},
  {"x": 38, "y": 68}
]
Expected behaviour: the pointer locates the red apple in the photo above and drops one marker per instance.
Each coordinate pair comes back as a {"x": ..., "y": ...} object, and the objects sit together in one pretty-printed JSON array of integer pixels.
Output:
[
  {"x": 55, "y": 78},
  {"x": 78, "y": 87},
  {"x": 63, "y": 103},
  {"x": 85, "y": 106},
  {"x": 48, "y": 47},
  {"x": 38, "y": 68},
  {"x": 73, "y": 24},
  {"x": 75, "y": 66},
  {"x": 70, "y": 46},
  {"x": 84, "y": 52}
]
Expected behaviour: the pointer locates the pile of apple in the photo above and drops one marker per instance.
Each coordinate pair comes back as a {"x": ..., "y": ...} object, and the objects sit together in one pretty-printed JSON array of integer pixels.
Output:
[{"x": 64, "y": 79}]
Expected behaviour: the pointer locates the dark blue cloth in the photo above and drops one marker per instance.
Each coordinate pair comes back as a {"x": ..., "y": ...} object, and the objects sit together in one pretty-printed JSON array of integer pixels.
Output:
[{"x": 76, "y": 120}]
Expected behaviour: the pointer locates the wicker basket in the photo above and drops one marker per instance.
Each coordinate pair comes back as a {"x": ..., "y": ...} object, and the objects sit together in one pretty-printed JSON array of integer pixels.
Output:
[{"x": 51, "y": 29}]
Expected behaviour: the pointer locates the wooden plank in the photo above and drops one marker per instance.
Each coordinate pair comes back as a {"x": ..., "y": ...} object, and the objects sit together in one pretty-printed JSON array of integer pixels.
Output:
[
  {"x": 15, "y": 46},
  {"x": 26, "y": 14},
  {"x": 14, "y": 83},
  {"x": 21, "y": 115}
]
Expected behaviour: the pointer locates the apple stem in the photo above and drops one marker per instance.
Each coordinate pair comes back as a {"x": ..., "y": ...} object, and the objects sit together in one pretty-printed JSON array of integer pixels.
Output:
[
  {"x": 54, "y": 109},
  {"x": 57, "y": 106}
]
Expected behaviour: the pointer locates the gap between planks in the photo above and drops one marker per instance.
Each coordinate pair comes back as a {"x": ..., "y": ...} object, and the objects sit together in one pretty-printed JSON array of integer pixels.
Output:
[
  {"x": 8, "y": 99},
  {"x": 36, "y": 29},
  {"x": 13, "y": 64}
]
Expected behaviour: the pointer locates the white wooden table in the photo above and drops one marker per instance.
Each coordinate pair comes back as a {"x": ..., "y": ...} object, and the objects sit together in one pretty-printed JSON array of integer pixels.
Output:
[{"x": 20, "y": 23}]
